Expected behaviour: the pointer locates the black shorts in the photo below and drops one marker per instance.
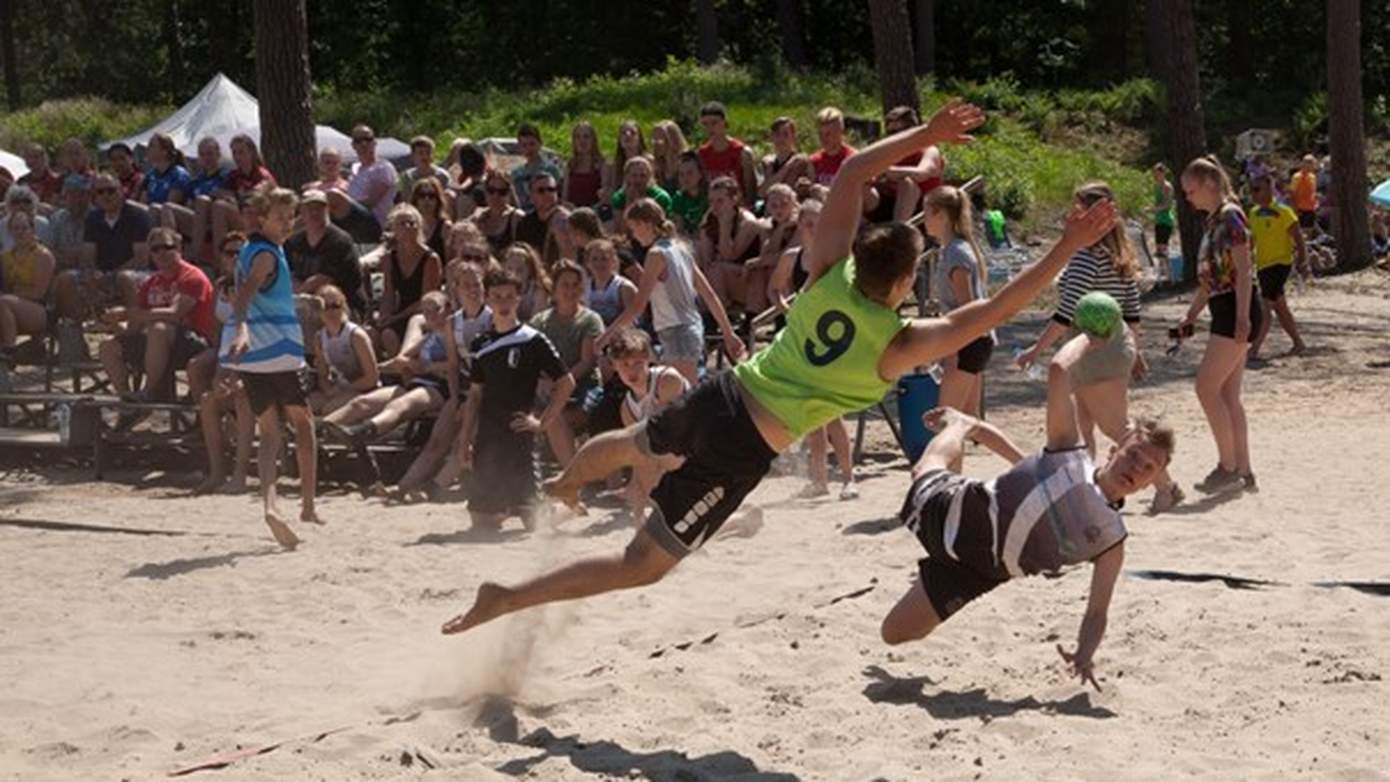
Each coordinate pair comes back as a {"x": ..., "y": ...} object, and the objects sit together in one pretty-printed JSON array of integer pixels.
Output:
[
  {"x": 1162, "y": 233},
  {"x": 277, "y": 389},
  {"x": 951, "y": 574},
  {"x": 505, "y": 478},
  {"x": 725, "y": 459},
  {"x": 605, "y": 412},
  {"x": 973, "y": 358},
  {"x": 1307, "y": 220},
  {"x": 1223, "y": 315},
  {"x": 1272, "y": 281},
  {"x": 187, "y": 344}
]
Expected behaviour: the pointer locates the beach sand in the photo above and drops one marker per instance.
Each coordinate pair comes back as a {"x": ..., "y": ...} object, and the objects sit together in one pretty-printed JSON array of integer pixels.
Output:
[{"x": 161, "y": 630}]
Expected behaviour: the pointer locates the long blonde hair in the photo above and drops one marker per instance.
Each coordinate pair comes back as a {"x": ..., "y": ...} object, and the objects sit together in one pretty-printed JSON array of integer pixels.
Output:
[
  {"x": 1116, "y": 243},
  {"x": 956, "y": 204},
  {"x": 1208, "y": 168}
]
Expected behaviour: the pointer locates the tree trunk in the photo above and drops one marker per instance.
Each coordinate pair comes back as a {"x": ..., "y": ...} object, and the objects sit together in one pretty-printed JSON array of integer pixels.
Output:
[
  {"x": 173, "y": 43},
  {"x": 1240, "y": 56},
  {"x": 282, "y": 85},
  {"x": 1187, "y": 137},
  {"x": 924, "y": 41},
  {"x": 1156, "y": 39},
  {"x": 892, "y": 34},
  {"x": 793, "y": 31},
  {"x": 707, "y": 22},
  {"x": 12, "y": 96},
  {"x": 1346, "y": 138}
]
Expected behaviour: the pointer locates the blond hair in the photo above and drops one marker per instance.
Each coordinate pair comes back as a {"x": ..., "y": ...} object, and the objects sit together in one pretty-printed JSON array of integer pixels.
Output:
[
  {"x": 267, "y": 197},
  {"x": 1208, "y": 169},
  {"x": 956, "y": 204},
  {"x": 647, "y": 210},
  {"x": 1116, "y": 243},
  {"x": 830, "y": 114}
]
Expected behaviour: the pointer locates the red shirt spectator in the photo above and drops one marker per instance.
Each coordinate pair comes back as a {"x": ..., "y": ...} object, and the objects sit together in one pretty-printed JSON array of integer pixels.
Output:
[
  {"x": 47, "y": 186},
  {"x": 827, "y": 164},
  {"x": 722, "y": 162},
  {"x": 183, "y": 278},
  {"x": 240, "y": 182}
]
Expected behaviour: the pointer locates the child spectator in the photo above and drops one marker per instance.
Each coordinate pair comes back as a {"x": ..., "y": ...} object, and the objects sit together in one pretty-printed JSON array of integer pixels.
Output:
[
  {"x": 647, "y": 390},
  {"x": 572, "y": 329},
  {"x": 722, "y": 155},
  {"x": 344, "y": 362}
]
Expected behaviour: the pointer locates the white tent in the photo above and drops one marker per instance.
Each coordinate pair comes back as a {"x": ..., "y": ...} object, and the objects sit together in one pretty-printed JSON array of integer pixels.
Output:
[
  {"x": 14, "y": 163},
  {"x": 222, "y": 110}
]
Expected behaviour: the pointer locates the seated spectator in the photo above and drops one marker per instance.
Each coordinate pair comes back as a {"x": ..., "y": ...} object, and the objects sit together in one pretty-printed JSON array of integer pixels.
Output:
[
  {"x": 465, "y": 238},
  {"x": 671, "y": 281},
  {"x": 467, "y": 168},
  {"x": 902, "y": 187},
  {"x": 191, "y": 218},
  {"x": 26, "y": 270},
  {"x": 344, "y": 362},
  {"x": 779, "y": 233},
  {"x": 528, "y": 142},
  {"x": 690, "y": 202},
  {"x": 166, "y": 181},
  {"x": 19, "y": 198},
  {"x": 786, "y": 165},
  {"x": 422, "y": 156},
  {"x": 330, "y": 171},
  {"x": 498, "y": 221},
  {"x": 729, "y": 247},
  {"x": 647, "y": 390},
  {"x": 546, "y": 226},
  {"x": 114, "y": 258},
  {"x": 363, "y": 207},
  {"x": 723, "y": 155},
  {"x": 639, "y": 181},
  {"x": 609, "y": 292},
  {"x": 533, "y": 283},
  {"x": 121, "y": 159},
  {"x": 585, "y": 169},
  {"x": 66, "y": 225},
  {"x": 224, "y": 395},
  {"x": 630, "y": 145},
  {"x": 321, "y": 254},
  {"x": 247, "y": 175},
  {"x": 74, "y": 158},
  {"x": 46, "y": 182},
  {"x": 497, "y": 435},
  {"x": 427, "y": 196},
  {"x": 833, "y": 152},
  {"x": 6, "y": 180},
  {"x": 410, "y": 269},
  {"x": 572, "y": 329},
  {"x": 585, "y": 226},
  {"x": 172, "y": 322},
  {"x": 668, "y": 146}
]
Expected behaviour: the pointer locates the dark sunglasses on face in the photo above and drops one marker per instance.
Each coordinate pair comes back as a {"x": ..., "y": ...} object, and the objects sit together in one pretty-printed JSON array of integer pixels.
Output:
[
  {"x": 479, "y": 257},
  {"x": 547, "y": 189},
  {"x": 159, "y": 248},
  {"x": 363, "y": 140},
  {"x": 498, "y": 190}
]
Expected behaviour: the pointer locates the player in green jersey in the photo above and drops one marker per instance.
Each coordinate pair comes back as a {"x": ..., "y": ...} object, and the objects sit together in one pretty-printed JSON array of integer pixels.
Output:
[{"x": 843, "y": 347}]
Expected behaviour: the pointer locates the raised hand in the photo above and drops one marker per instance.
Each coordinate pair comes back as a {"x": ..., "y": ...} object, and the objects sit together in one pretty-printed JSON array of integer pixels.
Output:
[
  {"x": 1085, "y": 227},
  {"x": 952, "y": 123}
]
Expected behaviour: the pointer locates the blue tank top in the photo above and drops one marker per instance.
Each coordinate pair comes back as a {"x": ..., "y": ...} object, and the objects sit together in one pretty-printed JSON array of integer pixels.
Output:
[
  {"x": 277, "y": 341},
  {"x": 607, "y": 301}
]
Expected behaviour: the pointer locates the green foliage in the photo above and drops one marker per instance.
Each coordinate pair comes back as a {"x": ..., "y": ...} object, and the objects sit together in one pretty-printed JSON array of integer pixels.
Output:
[
  {"x": 1310, "y": 120},
  {"x": 94, "y": 120}
]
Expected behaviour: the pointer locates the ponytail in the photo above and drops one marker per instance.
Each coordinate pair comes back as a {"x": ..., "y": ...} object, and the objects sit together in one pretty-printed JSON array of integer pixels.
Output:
[
  {"x": 1116, "y": 243},
  {"x": 647, "y": 210},
  {"x": 956, "y": 205},
  {"x": 1208, "y": 168}
]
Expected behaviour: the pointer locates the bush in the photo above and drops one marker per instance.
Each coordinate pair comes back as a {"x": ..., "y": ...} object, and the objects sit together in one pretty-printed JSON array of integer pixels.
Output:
[{"x": 94, "y": 120}]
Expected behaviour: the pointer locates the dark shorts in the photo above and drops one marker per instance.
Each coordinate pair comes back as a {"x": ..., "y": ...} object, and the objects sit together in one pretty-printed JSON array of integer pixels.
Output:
[
  {"x": 1223, "y": 315},
  {"x": 725, "y": 459},
  {"x": 1272, "y": 281},
  {"x": 277, "y": 389},
  {"x": 1307, "y": 220},
  {"x": 948, "y": 576},
  {"x": 1162, "y": 233},
  {"x": 973, "y": 358},
  {"x": 505, "y": 477},
  {"x": 187, "y": 344}
]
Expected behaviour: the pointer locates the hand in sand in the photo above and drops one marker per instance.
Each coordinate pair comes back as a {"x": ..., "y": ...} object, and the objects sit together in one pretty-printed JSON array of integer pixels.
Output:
[
  {"x": 488, "y": 605},
  {"x": 1080, "y": 667},
  {"x": 567, "y": 493}
]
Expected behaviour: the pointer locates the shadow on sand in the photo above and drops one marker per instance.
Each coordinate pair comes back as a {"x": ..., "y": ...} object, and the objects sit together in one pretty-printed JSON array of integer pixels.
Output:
[{"x": 966, "y": 704}]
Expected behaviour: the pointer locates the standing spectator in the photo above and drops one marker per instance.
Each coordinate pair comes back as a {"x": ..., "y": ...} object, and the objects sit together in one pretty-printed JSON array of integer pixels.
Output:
[
  {"x": 690, "y": 201},
  {"x": 498, "y": 221},
  {"x": 528, "y": 142},
  {"x": 546, "y": 226},
  {"x": 410, "y": 270},
  {"x": 1303, "y": 190},
  {"x": 826, "y": 161},
  {"x": 330, "y": 171},
  {"x": 66, "y": 225},
  {"x": 901, "y": 187},
  {"x": 523, "y": 263},
  {"x": 958, "y": 278},
  {"x": 786, "y": 165},
  {"x": 171, "y": 322},
  {"x": 1228, "y": 290},
  {"x": 248, "y": 174},
  {"x": 372, "y": 187},
  {"x": 225, "y": 395},
  {"x": 422, "y": 155},
  {"x": 1278, "y": 242},
  {"x": 122, "y": 162},
  {"x": 467, "y": 169},
  {"x": 427, "y": 196},
  {"x": 167, "y": 181},
  {"x": 264, "y": 343},
  {"x": 19, "y": 198},
  {"x": 321, "y": 253},
  {"x": 344, "y": 362},
  {"x": 497, "y": 436},
  {"x": 46, "y": 182},
  {"x": 723, "y": 155},
  {"x": 572, "y": 329},
  {"x": 630, "y": 145},
  {"x": 26, "y": 269},
  {"x": 731, "y": 239},
  {"x": 114, "y": 253},
  {"x": 1165, "y": 215},
  {"x": 671, "y": 281},
  {"x": 585, "y": 169},
  {"x": 191, "y": 218},
  {"x": 668, "y": 146}
]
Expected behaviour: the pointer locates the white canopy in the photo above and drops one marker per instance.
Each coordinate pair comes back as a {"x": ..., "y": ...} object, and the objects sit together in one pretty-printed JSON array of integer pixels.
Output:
[
  {"x": 222, "y": 109},
  {"x": 14, "y": 163}
]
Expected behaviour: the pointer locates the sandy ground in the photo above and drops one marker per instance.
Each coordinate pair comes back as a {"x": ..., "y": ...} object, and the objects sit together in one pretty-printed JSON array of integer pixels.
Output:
[{"x": 170, "y": 629}]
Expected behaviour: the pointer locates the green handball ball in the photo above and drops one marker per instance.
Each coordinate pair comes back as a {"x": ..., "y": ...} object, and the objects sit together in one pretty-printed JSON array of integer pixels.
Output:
[{"x": 1097, "y": 314}]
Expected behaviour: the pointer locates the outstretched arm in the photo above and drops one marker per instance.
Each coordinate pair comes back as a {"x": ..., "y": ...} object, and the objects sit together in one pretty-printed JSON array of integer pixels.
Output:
[
  {"x": 1103, "y": 578},
  {"x": 984, "y": 433},
  {"x": 1062, "y": 431}
]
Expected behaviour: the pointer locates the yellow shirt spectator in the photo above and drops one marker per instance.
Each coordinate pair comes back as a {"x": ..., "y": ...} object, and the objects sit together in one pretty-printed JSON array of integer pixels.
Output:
[{"x": 1271, "y": 227}]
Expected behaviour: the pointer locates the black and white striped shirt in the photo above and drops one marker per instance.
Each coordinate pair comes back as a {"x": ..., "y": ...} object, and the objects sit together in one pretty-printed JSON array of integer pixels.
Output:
[{"x": 1092, "y": 270}]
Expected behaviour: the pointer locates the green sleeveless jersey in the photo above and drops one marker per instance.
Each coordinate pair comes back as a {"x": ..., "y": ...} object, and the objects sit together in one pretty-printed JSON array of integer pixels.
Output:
[{"x": 824, "y": 364}]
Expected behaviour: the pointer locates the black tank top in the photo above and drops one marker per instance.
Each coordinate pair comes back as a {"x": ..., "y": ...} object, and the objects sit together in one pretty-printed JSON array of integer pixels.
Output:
[
  {"x": 799, "y": 273},
  {"x": 536, "y": 232},
  {"x": 409, "y": 290},
  {"x": 754, "y": 248},
  {"x": 500, "y": 240}
]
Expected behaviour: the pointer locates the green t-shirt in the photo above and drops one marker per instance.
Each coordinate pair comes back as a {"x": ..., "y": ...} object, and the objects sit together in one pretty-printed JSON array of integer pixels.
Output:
[
  {"x": 568, "y": 338},
  {"x": 689, "y": 211},
  {"x": 1163, "y": 215},
  {"x": 994, "y": 225},
  {"x": 619, "y": 199},
  {"x": 824, "y": 364}
]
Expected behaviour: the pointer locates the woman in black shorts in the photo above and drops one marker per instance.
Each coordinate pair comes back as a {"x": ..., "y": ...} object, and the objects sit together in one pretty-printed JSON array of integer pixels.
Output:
[{"x": 1229, "y": 291}]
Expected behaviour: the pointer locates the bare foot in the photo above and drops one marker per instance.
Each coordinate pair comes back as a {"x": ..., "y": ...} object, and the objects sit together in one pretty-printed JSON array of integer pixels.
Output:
[
  {"x": 566, "y": 493},
  {"x": 489, "y": 604},
  {"x": 283, "y": 535},
  {"x": 813, "y": 490},
  {"x": 213, "y": 483},
  {"x": 311, "y": 516},
  {"x": 237, "y": 485},
  {"x": 1298, "y": 349}
]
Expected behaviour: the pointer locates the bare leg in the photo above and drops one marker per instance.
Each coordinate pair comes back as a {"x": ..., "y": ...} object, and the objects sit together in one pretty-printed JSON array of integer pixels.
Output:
[
  {"x": 643, "y": 562},
  {"x": 245, "y": 433},
  {"x": 9, "y": 325},
  {"x": 818, "y": 463},
  {"x": 67, "y": 296},
  {"x": 1220, "y": 360},
  {"x": 406, "y": 407},
  {"x": 909, "y": 198},
  {"x": 1281, "y": 308},
  {"x": 1263, "y": 332},
  {"x": 210, "y": 417},
  {"x": 362, "y": 407},
  {"x": 428, "y": 462},
  {"x": 960, "y": 391},
  {"x": 113, "y": 362},
  {"x": 159, "y": 343},
  {"x": 306, "y": 453},
  {"x": 912, "y": 619},
  {"x": 844, "y": 456},
  {"x": 266, "y": 459},
  {"x": 601, "y": 456},
  {"x": 1235, "y": 409}
]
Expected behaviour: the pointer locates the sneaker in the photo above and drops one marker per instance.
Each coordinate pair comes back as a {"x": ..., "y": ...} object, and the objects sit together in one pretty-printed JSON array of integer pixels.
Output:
[
  {"x": 1248, "y": 483},
  {"x": 1219, "y": 478},
  {"x": 1166, "y": 501},
  {"x": 849, "y": 491}
]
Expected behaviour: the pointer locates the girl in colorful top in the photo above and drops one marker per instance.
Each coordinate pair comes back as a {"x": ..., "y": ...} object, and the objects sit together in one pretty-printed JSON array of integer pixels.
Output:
[{"x": 1228, "y": 289}]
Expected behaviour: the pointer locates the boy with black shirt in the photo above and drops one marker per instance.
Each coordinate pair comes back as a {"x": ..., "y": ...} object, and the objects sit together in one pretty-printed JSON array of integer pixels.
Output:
[{"x": 499, "y": 427}]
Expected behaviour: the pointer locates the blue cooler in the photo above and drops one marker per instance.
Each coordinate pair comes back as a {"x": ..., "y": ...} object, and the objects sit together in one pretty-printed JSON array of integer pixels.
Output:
[
  {"x": 1175, "y": 268},
  {"x": 916, "y": 395}
]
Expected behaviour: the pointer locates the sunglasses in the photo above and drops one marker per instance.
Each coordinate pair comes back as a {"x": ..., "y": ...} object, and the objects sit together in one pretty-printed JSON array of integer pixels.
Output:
[
  {"x": 333, "y": 306},
  {"x": 363, "y": 140},
  {"x": 160, "y": 248},
  {"x": 498, "y": 190}
]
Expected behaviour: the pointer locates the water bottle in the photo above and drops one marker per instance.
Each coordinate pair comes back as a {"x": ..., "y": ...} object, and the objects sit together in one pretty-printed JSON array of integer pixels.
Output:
[
  {"x": 936, "y": 372},
  {"x": 1034, "y": 370}
]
